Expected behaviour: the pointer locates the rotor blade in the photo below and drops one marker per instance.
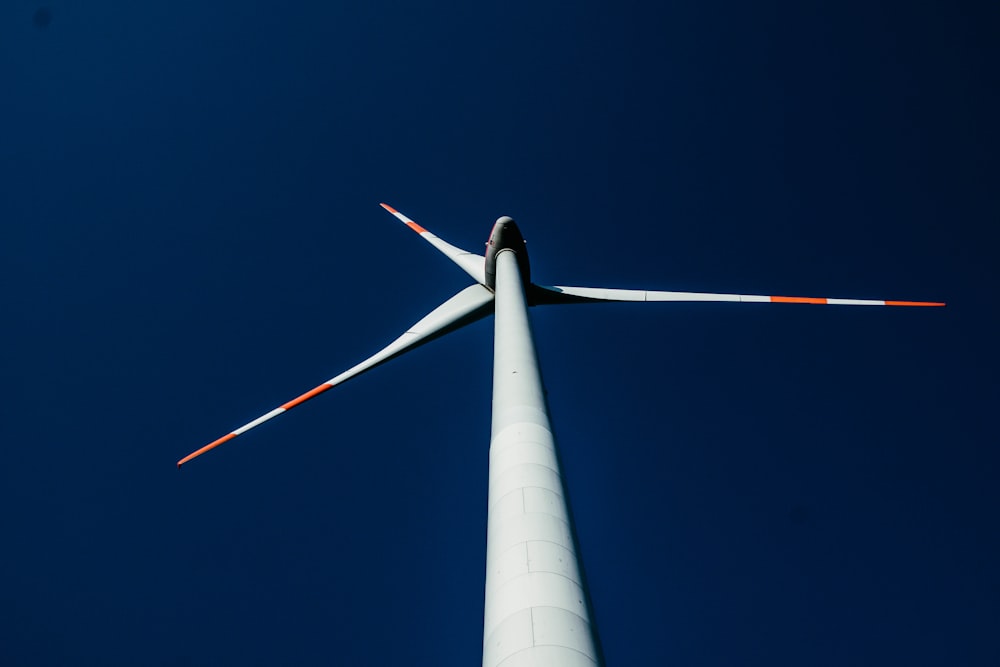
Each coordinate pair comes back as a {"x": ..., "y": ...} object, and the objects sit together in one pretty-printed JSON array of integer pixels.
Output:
[
  {"x": 471, "y": 263},
  {"x": 471, "y": 304},
  {"x": 545, "y": 295}
]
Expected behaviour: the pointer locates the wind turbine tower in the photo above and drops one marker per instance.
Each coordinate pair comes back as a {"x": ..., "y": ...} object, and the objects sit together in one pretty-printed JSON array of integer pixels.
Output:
[{"x": 537, "y": 607}]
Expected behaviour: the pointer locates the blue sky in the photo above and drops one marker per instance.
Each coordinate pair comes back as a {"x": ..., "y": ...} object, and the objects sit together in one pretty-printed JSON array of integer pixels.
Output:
[{"x": 192, "y": 237}]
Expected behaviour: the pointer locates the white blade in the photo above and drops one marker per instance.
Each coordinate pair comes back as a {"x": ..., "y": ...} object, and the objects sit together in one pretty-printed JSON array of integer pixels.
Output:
[
  {"x": 471, "y": 304},
  {"x": 544, "y": 295},
  {"x": 471, "y": 263}
]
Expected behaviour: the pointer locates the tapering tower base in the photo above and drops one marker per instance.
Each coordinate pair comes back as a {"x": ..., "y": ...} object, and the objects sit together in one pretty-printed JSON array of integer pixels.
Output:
[{"x": 536, "y": 609}]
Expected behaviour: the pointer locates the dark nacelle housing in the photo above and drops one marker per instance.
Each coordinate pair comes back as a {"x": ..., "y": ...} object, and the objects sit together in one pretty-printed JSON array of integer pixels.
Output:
[{"x": 506, "y": 236}]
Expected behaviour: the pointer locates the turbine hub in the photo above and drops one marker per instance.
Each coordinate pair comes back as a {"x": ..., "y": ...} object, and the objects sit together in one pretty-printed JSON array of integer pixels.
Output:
[{"x": 506, "y": 236}]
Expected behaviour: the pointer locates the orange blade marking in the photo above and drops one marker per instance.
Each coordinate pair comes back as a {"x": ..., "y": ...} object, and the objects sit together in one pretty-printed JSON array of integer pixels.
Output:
[
  {"x": 796, "y": 299},
  {"x": 305, "y": 397},
  {"x": 409, "y": 223},
  {"x": 211, "y": 445},
  {"x": 913, "y": 303}
]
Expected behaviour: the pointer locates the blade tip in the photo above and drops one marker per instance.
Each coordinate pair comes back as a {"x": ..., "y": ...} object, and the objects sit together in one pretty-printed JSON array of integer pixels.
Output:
[{"x": 388, "y": 208}]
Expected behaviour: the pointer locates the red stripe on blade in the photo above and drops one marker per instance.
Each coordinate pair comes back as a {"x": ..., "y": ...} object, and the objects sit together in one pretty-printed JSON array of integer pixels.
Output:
[
  {"x": 305, "y": 397},
  {"x": 913, "y": 303},
  {"x": 796, "y": 299},
  {"x": 211, "y": 445}
]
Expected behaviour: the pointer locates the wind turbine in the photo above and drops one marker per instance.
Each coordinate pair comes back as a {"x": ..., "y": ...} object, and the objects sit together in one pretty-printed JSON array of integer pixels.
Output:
[{"x": 537, "y": 607}]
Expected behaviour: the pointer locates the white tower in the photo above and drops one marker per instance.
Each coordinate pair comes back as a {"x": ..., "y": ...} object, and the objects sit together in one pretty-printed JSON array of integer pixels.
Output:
[{"x": 536, "y": 610}]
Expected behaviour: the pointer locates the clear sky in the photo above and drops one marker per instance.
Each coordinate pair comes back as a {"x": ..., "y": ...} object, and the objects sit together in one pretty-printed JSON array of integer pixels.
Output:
[{"x": 191, "y": 236}]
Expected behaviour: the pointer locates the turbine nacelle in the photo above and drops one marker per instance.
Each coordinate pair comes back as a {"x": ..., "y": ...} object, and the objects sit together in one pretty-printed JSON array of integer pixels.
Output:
[{"x": 506, "y": 236}]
